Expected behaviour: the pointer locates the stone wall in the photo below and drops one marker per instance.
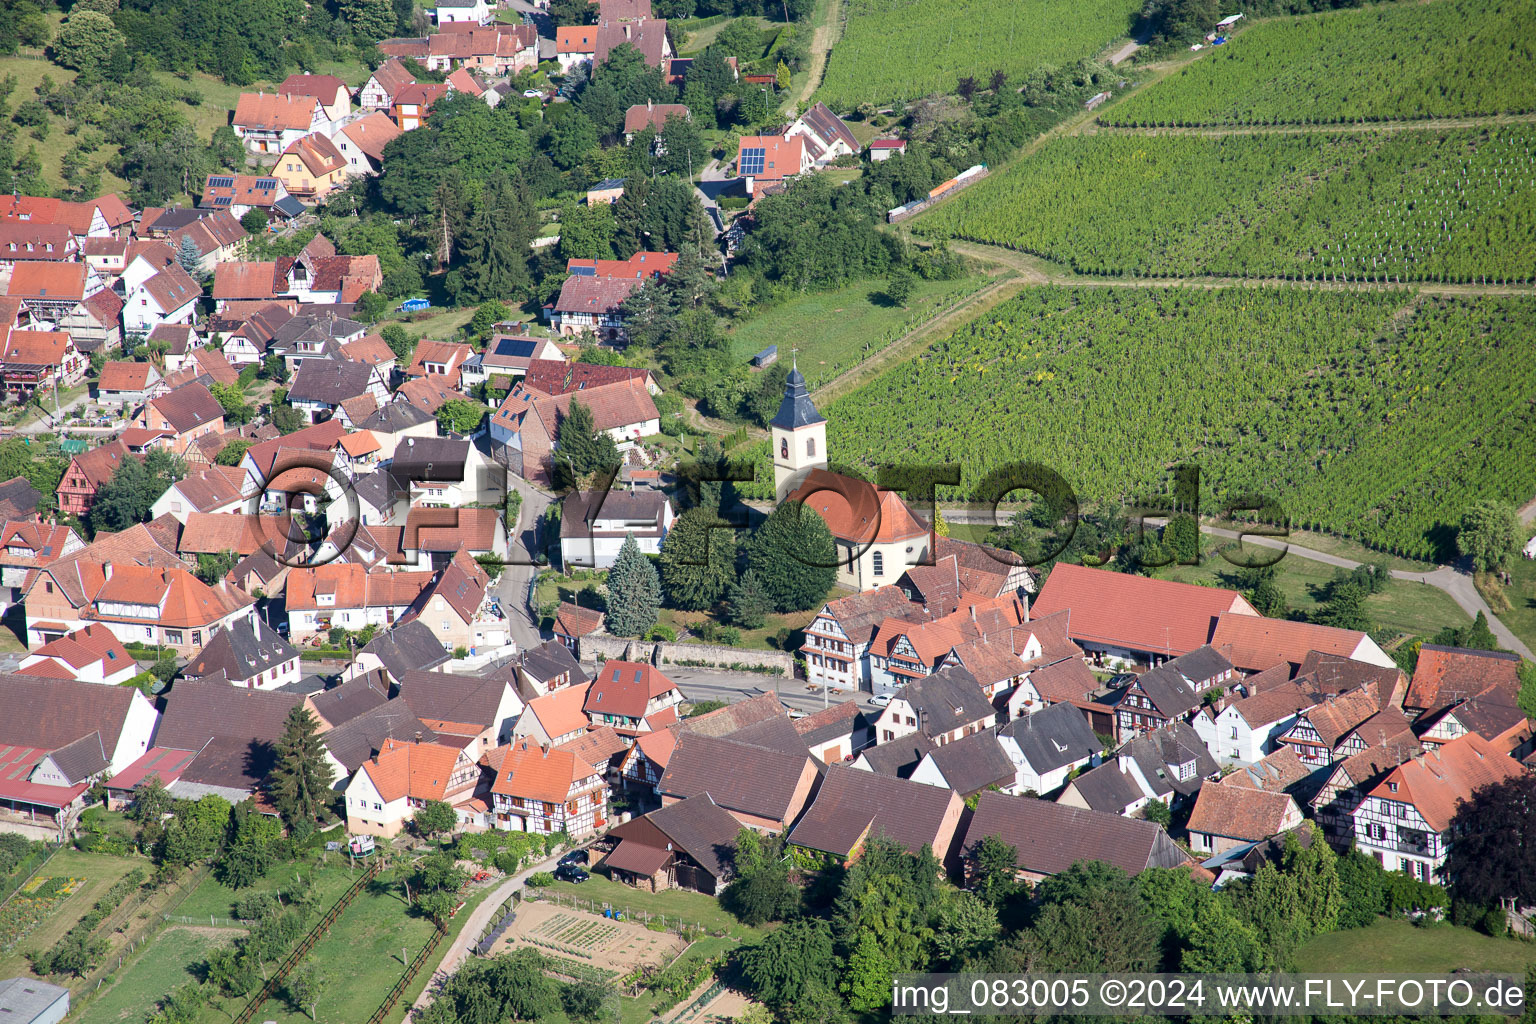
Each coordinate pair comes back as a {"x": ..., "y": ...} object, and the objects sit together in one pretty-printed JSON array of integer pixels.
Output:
[{"x": 601, "y": 646}]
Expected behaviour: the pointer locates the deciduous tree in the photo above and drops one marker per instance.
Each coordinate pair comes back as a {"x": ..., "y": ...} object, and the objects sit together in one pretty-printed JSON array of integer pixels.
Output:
[{"x": 1489, "y": 535}]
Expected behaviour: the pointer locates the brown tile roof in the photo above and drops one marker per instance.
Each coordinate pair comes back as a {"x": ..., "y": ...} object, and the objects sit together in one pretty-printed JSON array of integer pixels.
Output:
[
  {"x": 354, "y": 741},
  {"x": 1337, "y": 717},
  {"x": 556, "y": 376},
  {"x": 1066, "y": 680},
  {"x": 391, "y": 76},
  {"x": 450, "y": 354},
  {"x": 427, "y": 394},
  {"x": 173, "y": 288},
  {"x": 46, "y": 542},
  {"x": 1236, "y": 812},
  {"x": 820, "y": 119},
  {"x": 98, "y": 464},
  {"x": 853, "y": 805},
  {"x": 1050, "y": 837},
  {"x": 52, "y": 713},
  {"x": 653, "y": 114},
  {"x": 529, "y": 771},
  {"x": 198, "y": 711},
  {"x": 319, "y": 154},
  {"x": 208, "y": 533},
  {"x": 274, "y": 112},
  {"x": 451, "y": 529},
  {"x": 370, "y": 348},
  {"x": 39, "y": 241},
  {"x": 1437, "y": 782},
  {"x": 860, "y": 615},
  {"x": 188, "y": 407},
  {"x": 1258, "y": 643},
  {"x": 35, "y": 348},
  {"x": 1273, "y": 704},
  {"x": 740, "y": 777},
  {"x": 1444, "y": 675},
  {"x": 614, "y": 406},
  {"x": 624, "y": 688},
  {"x": 598, "y": 747},
  {"x": 573, "y": 620},
  {"x": 597, "y": 295},
  {"x": 1138, "y": 612},
  {"x": 245, "y": 280},
  {"x": 647, "y": 36},
  {"x": 448, "y": 697},
  {"x": 321, "y": 87},
  {"x": 1277, "y": 772}
]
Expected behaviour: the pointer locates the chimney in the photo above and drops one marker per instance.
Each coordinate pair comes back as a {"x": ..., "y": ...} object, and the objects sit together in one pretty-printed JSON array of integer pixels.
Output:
[
  {"x": 648, "y": 105},
  {"x": 1123, "y": 761},
  {"x": 106, "y": 569}
]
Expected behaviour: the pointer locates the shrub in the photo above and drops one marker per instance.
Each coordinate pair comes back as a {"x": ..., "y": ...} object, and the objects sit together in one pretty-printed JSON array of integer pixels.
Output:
[{"x": 540, "y": 879}]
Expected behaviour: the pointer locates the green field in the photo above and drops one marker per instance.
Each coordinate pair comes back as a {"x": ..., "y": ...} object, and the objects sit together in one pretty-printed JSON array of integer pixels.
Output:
[
  {"x": 895, "y": 50},
  {"x": 1395, "y": 946},
  {"x": 1425, "y": 205},
  {"x": 1375, "y": 414},
  {"x": 691, "y": 907},
  {"x": 214, "y": 899},
  {"x": 169, "y": 960},
  {"x": 359, "y": 959},
  {"x": 836, "y": 330},
  {"x": 1403, "y": 607},
  {"x": 1386, "y": 61}
]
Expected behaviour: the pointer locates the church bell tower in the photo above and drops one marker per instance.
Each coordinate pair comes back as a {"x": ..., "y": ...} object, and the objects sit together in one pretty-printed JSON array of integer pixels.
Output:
[{"x": 799, "y": 437}]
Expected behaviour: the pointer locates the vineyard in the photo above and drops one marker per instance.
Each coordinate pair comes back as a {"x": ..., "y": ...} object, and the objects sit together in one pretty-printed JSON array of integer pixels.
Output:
[
  {"x": 894, "y": 50},
  {"x": 1445, "y": 206},
  {"x": 1376, "y": 414},
  {"x": 1393, "y": 61}
]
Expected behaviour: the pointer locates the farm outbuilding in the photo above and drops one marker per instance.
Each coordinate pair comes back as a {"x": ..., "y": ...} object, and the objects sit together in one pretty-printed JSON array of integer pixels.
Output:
[{"x": 767, "y": 357}]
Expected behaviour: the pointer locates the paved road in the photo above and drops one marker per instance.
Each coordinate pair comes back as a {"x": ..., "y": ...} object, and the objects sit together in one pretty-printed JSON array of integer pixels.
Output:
[
  {"x": 1122, "y": 53},
  {"x": 512, "y": 588},
  {"x": 1454, "y": 581},
  {"x": 464, "y": 943}
]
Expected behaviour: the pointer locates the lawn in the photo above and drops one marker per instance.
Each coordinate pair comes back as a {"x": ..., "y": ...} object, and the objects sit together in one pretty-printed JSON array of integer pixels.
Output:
[
  {"x": 359, "y": 959},
  {"x": 1414, "y": 608},
  {"x": 1521, "y": 593},
  {"x": 1397, "y": 947},
  {"x": 100, "y": 871},
  {"x": 835, "y": 330},
  {"x": 169, "y": 960},
  {"x": 214, "y": 899},
  {"x": 699, "y": 39},
  {"x": 691, "y": 907}
]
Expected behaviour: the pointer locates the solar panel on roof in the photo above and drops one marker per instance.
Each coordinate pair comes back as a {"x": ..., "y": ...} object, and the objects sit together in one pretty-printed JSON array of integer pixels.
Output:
[
  {"x": 752, "y": 160},
  {"x": 266, "y": 184},
  {"x": 221, "y": 201},
  {"x": 221, "y": 182}
]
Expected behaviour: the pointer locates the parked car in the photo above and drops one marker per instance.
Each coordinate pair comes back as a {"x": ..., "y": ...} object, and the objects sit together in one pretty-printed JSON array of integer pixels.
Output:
[
  {"x": 880, "y": 700},
  {"x": 533, "y": 94},
  {"x": 576, "y": 857},
  {"x": 571, "y": 873}
]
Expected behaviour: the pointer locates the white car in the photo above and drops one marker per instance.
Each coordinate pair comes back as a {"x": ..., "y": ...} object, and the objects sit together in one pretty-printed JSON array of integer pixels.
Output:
[
  {"x": 880, "y": 700},
  {"x": 533, "y": 94}
]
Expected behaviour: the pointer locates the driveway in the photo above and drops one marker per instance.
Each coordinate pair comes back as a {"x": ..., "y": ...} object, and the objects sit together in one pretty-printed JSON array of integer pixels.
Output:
[{"x": 512, "y": 587}]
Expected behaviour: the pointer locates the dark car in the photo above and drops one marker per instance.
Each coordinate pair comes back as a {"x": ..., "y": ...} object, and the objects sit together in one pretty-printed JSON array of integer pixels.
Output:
[
  {"x": 575, "y": 857},
  {"x": 571, "y": 873}
]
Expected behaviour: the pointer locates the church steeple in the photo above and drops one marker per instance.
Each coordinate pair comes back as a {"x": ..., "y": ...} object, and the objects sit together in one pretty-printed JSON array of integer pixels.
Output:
[{"x": 799, "y": 436}]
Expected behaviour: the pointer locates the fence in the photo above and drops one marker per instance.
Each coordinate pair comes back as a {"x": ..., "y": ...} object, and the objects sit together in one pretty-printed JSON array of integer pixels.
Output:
[
  {"x": 696, "y": 1007},
  {"x": 211, "y": 921},
  {"x": 186, "y": 886},
  {"x": 410, "y": 974},
  {"x": 672, "y": 924},
  {"x": 302, "y": 949},
  {"x": 498, "y": 924},
  {"x": 51, "y": 849}
]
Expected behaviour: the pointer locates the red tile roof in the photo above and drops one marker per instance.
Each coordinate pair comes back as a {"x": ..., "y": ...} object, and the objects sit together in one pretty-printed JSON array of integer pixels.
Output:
[
  {"x": 856, "y": 511},
  {"x": 321, "y": 87},
  {"x": 1135, "y": 612},
  {"x": 527, "y": 770},
  {"x": 372, "y": 132},
  {"x": 120, "y": 376},
  {"x": 1437, "y": 782},
  {"x": 49, "y": 281},
  {"x": 653, "y": 114},
  {"x": 274, "y": 111},
  {"x": 1259, "y": 643},
  {"x": 1444, "y": 675},
  {"x": 1236, "y": 812},
  {"x": 624, "y": 688}
]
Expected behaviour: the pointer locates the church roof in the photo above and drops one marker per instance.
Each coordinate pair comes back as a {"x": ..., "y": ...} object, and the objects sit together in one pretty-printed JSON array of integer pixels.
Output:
[{"x": 796, "y": 410}]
